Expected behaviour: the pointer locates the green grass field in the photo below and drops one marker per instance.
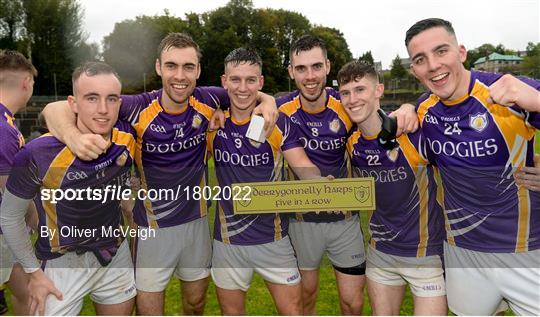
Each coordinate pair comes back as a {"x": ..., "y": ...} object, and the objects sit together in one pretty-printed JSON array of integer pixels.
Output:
[{"x": 259, "y": 301}]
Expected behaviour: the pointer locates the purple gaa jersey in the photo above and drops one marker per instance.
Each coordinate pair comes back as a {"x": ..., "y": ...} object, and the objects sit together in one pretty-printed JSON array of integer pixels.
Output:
[
  {"x": 407, "y": 221},
  {"x": 477, "y": 147},
  {"x": 241, "y": 160},
  {"x": 46, "y": 164},
  {"x": 323, "y": 135},
  {"x": 11, "y": 141},
  {"x": 170, "y": 154}
]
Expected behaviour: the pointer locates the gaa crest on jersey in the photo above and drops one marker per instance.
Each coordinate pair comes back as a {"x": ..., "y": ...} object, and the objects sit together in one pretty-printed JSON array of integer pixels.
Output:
[
  {"x": 197, "y": 120},
  {"x": 478, "y": 121},
  {"x": 334, "y": 125},
  {"x": 122, "y": 159},
  {"x": 393, "y": 154}
]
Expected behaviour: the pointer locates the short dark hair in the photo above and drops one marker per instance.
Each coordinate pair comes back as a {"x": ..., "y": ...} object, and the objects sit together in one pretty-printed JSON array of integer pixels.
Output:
[
  {"x": 243, "y": 55},
  {"x": 426, "y": 24},
  {"x": 177, "y": 40},
  {"x": 92, "y": 69},
  {"x": 356, "y": 70},
  {"x": 306, "y": 43},
  {"x": 15, "y": 61}
]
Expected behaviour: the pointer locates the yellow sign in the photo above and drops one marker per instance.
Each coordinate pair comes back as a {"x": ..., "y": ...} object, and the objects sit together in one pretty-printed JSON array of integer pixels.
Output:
[{"x": 305, "y": 196}]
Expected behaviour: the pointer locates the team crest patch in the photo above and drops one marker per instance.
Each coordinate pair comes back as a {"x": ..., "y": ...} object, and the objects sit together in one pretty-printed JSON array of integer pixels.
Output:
[
  {"x": 255, "y": 143},
  {"x": 361, "y": 193},
  {"x": 478, "y": 121},
  {"x": 393, "y": 154},
  {"x": 197, "y": 120},
  {"x": 245, "y": 197},
  {"x": 334, "y": 125},
  {"x": 122, "y": 159}
]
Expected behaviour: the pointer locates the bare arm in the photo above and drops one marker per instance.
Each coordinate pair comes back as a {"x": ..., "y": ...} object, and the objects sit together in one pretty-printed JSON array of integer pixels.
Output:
[
  {"x": 268, "y": 109},
  {"x": 61, "y": 122},
  {"x": 529, "y": 177},
  {"x": 301, "y": 164},
  {"x": 406, "y": 118},
  {"x": 509, "y": 91},
  {"x": 217, "y": 120}
]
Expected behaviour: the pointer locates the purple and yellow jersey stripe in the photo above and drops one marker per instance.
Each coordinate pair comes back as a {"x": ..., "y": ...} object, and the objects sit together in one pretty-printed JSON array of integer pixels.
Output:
[
  {"x": 477, "y": 147},
  {"x": 323, "y": 135},
  {"x": 407, "y": 221},
  {"x": 241, "y": 160},
  {"x": 46, "y": 164},
  {"x": 170, "y": 154},
  {"x": 11, "y": 141}
]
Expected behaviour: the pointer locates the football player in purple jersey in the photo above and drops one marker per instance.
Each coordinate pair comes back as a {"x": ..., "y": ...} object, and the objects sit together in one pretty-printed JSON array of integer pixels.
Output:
[
  {"x": 407, "y": 226},
  {"x": 244, "y": 244},
  {"x": 480, "y": 129},
  {"x": 16, "y": 87},
  {"x": 323, "y": 127},
  {"x": 74, "y": 255}
]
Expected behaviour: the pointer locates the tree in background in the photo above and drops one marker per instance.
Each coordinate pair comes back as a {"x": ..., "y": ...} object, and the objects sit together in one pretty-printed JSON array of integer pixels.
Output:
[
  {"x": 50, "y": 34},
  {"x": 11, "y": 24},
  {"x": 224, "y": 29},
  {"x": 367, "y": 57},
  {"x": 218, "y": 32},
  {"x": 272, "y": 37},
  {"x": 131, "y": 48},
  {"x": 397, "y": 70},
  {"x": 531, "y": 63},
  {"x": 56, "y": 41},
  {"x": 483, "y": 51},
  {"x": 338, "y": 49}
]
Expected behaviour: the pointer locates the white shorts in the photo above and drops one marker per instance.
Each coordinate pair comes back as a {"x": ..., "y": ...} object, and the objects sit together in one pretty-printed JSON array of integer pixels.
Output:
[
  {"x": 342, "y": 240},
  {"x": 477, "y": 281},
  {"x": 184, "y": 250},
  {"x": 425, "y": 275},
  {"x": 233, "y": 265},
  {"x": 6, "y": 261},
  {"x": 76, "y": 276}
]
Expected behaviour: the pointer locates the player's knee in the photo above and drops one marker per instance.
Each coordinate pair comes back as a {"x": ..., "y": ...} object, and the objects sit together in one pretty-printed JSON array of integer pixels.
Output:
[
  {"x": 195, "y": 302},
  {"x": 352, "y": 305},
  {"x": 309, "y": 294}
]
